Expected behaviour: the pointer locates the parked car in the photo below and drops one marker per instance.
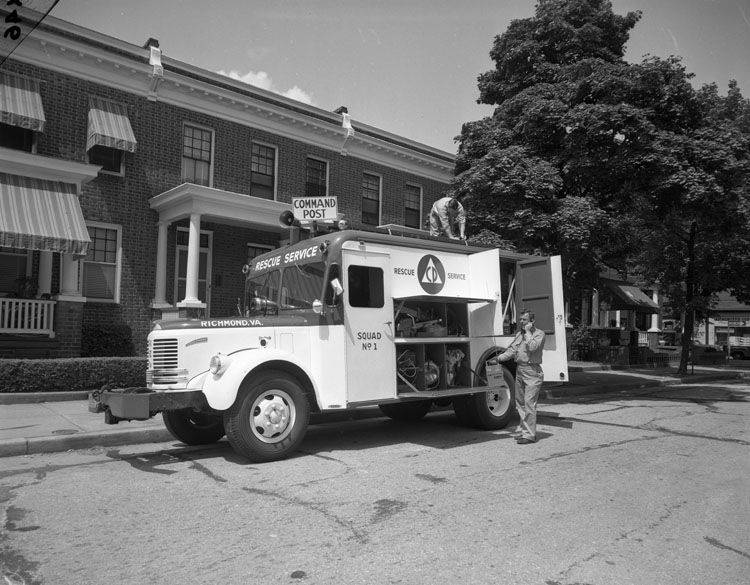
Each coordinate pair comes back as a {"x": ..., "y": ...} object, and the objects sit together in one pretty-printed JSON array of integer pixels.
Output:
[
  {"x": 701, "y": 353},
  {"x": 738, "y": 352}
]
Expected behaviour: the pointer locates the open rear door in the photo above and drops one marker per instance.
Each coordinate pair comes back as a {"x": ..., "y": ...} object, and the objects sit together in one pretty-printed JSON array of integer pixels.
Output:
[{"x": 539, "y": 290}]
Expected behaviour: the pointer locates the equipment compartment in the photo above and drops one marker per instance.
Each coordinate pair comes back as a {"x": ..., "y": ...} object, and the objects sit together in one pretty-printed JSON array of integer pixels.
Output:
[{"x": 432, "y": 345}]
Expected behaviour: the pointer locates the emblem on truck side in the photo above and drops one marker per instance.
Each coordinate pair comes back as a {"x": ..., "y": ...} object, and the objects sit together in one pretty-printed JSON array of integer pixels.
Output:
[{"x": 431, "y": 274}]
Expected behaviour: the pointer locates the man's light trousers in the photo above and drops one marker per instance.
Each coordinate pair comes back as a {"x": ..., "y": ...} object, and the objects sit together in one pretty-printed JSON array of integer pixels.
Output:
[{"x": 529, "y": 378}]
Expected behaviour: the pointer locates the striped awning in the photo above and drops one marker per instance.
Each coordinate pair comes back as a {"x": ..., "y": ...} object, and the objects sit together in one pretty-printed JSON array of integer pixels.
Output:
[
  {"x": 41, "y": 215},
  {"x": 109, "y": 126},
  {"x": 20, "y": 102}
]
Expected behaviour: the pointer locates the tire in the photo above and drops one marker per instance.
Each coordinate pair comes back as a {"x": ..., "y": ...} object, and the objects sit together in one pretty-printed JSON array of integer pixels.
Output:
[
  {"x": 407, "y": 410},
  {"x": 269, "y": 417},
  {"x": 192, "y": 427},
  {"x": 487, "y": 410},
  {"x": 737, "y": 355}
]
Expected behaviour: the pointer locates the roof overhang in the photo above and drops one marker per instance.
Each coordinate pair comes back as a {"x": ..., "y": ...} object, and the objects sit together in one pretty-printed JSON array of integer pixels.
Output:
[
  {"x": 628, "y": 297},
  {"x": 17, "y": 162},
  {"x": 216, "y": 205}
]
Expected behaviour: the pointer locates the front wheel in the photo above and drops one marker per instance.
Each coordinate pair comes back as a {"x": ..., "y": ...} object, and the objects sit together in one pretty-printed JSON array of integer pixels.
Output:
[
  {"x": 269, "y": 418},
  {"x": 491, "y": 410},
  {"x": 192, "y": 427}
]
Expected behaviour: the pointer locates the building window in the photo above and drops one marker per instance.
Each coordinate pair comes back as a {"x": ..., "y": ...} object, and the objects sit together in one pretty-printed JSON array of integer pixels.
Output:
[
  {"x": 196, "y": 155},
  {"x": 110, "y": 159},
  {"x": 316, "y": 178},
  {"x": 263, "y": 172},
  {"x": 254, "y": 250},
  {"x": 371, "y": 199},
  {"x": 16, "y": 138},
  {"x": 412, "y": 206},
  {"x": 13, "y": 271},
  {"x": 100, "y": 277}
]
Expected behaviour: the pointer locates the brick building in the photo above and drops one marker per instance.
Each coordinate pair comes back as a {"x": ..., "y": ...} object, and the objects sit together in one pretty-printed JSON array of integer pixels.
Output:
[{"x": 134, "y": 186}]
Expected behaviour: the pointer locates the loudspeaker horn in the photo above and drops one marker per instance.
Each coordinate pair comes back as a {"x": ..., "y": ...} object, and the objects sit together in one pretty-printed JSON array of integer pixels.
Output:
[{"x": 286, "y": 219}]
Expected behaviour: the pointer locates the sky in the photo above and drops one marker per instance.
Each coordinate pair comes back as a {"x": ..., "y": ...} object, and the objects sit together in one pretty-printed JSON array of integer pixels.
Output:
[{"x": 408, "y": 67}]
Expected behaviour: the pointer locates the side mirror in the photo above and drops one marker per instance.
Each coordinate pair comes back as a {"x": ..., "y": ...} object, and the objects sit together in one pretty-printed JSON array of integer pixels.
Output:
[{"x": 338, "y": 289}]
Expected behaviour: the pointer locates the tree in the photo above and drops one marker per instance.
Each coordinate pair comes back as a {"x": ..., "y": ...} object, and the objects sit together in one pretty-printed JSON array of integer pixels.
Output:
[{"x": 607, "y": 163}]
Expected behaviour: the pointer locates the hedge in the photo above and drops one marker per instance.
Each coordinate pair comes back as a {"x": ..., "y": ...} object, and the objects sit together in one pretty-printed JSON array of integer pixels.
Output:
[{"x": 61, "y": 375}]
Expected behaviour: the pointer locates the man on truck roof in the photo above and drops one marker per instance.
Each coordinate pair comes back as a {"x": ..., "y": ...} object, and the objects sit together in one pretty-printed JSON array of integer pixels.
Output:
[{"x": 446, "y": 214}]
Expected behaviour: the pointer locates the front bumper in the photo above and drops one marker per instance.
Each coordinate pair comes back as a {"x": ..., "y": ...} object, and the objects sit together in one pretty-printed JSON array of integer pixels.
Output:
[{"x": 141, "y": 403}]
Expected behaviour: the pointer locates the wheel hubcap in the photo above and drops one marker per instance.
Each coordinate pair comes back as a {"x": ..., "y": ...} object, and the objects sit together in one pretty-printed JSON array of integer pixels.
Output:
[
  {"x": 498, "y": 401},
  {"x": 272, "y": 416}
]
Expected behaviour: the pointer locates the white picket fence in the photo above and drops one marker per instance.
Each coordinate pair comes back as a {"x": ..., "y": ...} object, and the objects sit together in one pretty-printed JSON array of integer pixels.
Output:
[{"x": 27, "y": 316}]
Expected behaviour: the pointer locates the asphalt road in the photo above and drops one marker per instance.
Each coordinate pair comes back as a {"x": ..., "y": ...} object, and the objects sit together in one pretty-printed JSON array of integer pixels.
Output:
[{"x": 647, "y": 489}]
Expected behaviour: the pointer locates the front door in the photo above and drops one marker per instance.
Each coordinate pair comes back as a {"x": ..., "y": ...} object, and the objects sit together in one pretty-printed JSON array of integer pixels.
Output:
[
  {"x": 368, "y": 319},
  {"x": 204, "y": 267}
]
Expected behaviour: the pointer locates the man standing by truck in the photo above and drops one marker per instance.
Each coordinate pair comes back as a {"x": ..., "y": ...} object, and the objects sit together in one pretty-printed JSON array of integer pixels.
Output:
[
  {"x": 446, "y": 217},
  {"x": 526, "y": 350}
]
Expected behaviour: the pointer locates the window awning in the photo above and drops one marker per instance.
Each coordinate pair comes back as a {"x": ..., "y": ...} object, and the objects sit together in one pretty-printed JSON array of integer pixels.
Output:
[
  {"x": 20, "y": 102},
  {"x": 41, "y": 215},
  {"x": 109, "y": 126},
  {"x": 628, "y": 297}
]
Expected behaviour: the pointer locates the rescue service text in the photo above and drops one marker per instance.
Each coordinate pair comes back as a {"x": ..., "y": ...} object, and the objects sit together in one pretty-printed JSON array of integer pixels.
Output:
[{"x": 288, "y": 258}]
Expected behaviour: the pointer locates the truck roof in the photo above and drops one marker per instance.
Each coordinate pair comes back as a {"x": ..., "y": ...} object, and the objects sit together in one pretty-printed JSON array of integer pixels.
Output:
[{"x": 310, "y": 250}]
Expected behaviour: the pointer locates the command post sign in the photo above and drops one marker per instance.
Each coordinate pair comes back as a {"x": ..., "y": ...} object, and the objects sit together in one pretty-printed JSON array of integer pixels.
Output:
[{"x": 315, "y": 208}]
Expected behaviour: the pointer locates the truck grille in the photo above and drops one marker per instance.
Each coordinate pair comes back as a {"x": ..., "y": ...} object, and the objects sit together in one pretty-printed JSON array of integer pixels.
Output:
[
  {"x": 162, "y": 354},
  {"x": 162, "y": 363}
]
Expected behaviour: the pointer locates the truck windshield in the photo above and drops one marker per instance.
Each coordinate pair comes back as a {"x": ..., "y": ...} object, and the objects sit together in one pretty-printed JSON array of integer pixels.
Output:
[
  {"x": 296, "y": 287},
  {"x": 264, "y": 286},
  {"x": 301, "y": 284}
]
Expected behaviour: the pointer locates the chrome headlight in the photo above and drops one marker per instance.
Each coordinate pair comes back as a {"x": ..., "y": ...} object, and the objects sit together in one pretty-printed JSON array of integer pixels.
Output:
[{"x": 217, "y": 363}]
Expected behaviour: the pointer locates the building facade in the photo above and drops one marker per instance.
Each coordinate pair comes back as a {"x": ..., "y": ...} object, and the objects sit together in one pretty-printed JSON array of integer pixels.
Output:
[{"x": 134, "y": 187}]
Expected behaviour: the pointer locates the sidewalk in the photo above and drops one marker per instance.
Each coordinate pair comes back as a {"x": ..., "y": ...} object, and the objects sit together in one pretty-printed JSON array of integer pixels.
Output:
[{"x": 52, "y": 422}]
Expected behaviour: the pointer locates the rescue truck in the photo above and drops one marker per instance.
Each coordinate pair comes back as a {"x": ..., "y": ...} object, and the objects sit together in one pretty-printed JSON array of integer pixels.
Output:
[{"x": 346, "y": 320}]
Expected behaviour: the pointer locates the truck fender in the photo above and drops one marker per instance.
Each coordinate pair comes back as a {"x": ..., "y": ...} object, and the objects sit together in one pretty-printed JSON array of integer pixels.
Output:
[{"x": 221, "y": 389}]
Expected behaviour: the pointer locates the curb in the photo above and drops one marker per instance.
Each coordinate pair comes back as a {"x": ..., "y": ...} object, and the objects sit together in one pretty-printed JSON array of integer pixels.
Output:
[
  {"x": 35, "y": 397},
  {"x": 55, "y": 443},
  {"x": 611, "y": 389}
]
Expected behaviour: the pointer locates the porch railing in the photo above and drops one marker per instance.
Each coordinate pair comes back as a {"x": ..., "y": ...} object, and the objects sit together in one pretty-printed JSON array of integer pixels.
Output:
[{"x": 27, "y": 316}]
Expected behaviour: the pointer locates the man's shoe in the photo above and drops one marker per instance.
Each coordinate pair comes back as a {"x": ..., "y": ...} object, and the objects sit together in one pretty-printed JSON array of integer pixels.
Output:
[{"x": 524, "y": 441}]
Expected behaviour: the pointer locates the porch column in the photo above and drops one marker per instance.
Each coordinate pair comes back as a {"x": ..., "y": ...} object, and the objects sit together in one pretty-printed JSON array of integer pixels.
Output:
[
  {"x": 69, "y": 287},
  {"x": 160, "y": 290},
  {"x": 595, "y": 308},
  {"x": 191, "y": 306},
  {"x": 45, "y": 273},
  {"x": 654, "y": 316},
  {"x": 617, "y": 318},
  {"x": 193, "y": 258}
]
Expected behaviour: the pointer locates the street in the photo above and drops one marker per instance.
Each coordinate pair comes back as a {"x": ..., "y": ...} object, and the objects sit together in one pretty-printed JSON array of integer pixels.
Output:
[{"x": 650, "y": 487}]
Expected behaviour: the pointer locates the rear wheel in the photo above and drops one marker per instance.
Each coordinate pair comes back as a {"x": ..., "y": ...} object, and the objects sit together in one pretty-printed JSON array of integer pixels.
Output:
[
  {"x": 193, "y": 428},
  {"x": 269, "y": 418},
  {"x": 407, "y": 410},
  {"x": 737, "y": 355},
  {"x": 489, "y": 410}
]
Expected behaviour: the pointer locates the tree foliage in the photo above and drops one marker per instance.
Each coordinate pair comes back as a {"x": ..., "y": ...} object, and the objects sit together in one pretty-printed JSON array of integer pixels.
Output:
[{"x": 609, "y": 164}]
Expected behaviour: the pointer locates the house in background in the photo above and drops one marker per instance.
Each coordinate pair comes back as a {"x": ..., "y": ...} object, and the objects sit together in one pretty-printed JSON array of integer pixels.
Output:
[
  {"x": 621, "y": 322},
  {"x": 728, "y": 324},
  {"x": 134, "y": 186}
]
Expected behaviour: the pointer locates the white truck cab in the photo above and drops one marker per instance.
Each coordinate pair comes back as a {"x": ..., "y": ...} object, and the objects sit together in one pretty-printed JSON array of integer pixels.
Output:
[{"x": 345, "y": 320}]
